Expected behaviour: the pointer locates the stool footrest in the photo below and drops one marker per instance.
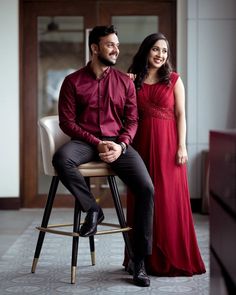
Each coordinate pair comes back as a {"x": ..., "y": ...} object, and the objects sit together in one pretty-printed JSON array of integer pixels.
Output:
[{"x": 50, "y": 229}]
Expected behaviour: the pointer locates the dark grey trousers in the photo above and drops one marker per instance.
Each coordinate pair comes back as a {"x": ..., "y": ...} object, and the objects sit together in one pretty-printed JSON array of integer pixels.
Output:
[{"x": 130, "y": 169}]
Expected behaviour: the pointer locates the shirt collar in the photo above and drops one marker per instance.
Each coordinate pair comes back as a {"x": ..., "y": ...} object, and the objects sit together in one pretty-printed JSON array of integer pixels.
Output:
[{"x": 90, "y": 71}]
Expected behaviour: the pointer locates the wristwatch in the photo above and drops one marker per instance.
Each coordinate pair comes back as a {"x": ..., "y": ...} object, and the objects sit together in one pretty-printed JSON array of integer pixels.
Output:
[{"x": 123, "y": 147}]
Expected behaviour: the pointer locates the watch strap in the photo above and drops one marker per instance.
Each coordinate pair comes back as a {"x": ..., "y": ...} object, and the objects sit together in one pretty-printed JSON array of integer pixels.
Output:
[{"x": 123, "y": 147}]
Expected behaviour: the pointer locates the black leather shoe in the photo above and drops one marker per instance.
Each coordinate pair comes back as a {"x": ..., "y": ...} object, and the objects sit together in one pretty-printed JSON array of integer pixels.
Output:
[
  {"x": 140, "y": 276},
  {"x": 92, "y": 219}
]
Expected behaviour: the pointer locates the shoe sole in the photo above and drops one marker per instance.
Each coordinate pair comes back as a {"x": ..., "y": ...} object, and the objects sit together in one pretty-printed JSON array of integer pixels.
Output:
[{"x": 140, "y": 284}]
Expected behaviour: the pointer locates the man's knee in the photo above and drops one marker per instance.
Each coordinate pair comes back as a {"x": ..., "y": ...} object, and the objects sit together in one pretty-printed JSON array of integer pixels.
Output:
[
  {"x": 60, "y": 160},
  {"x": 56, "y": 159}
]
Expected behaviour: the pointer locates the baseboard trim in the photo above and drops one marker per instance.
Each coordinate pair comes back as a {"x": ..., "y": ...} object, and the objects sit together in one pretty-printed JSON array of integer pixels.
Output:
[
  {"x": 14, "y": 204},
  {"x": 196, "y": 205},
  {"x": 9, "y": 203}
]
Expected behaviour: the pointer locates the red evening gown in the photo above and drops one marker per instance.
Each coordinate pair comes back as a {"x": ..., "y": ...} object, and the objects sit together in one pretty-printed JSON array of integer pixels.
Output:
[{"x": 175, "y": 248}]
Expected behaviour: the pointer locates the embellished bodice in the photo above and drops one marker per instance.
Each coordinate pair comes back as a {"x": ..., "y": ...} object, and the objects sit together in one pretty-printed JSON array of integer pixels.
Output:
[{"x": 157, "y": 100}]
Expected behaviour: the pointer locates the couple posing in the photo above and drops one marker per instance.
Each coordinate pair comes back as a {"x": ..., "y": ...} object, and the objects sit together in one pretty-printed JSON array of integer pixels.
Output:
[{"x": 104, "y": 111}]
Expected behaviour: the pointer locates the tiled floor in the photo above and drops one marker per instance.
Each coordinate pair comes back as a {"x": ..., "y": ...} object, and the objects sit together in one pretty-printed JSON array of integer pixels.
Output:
[{"x": 52, "y": 276}]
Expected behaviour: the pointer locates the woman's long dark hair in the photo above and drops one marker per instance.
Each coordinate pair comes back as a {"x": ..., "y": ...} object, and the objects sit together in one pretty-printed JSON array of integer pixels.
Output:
[{"x": 139, "y": 65}]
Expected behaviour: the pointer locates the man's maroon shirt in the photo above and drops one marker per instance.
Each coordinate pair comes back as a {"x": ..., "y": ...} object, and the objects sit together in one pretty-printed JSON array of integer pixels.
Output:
[{"x": 90, "y": 108}]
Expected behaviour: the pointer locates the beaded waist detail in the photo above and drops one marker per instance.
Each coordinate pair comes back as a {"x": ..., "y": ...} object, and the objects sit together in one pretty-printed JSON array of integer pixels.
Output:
[{"x": 156, "y": 112}]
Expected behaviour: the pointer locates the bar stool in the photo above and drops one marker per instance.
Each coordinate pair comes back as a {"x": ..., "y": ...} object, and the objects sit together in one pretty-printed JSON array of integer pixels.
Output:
[{"x": 52, "y": 137}]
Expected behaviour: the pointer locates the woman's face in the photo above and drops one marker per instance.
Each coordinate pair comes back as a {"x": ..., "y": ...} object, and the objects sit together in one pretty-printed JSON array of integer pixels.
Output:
[{"x": 158, "y": 54}]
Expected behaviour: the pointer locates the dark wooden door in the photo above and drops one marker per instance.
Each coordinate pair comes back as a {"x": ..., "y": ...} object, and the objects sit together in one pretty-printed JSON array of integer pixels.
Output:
[{"x": 36, "y": 67}]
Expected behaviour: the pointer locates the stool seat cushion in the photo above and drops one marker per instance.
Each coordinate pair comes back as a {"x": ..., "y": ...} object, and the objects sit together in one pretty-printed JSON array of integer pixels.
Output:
[{"x": 95, "y": 169}]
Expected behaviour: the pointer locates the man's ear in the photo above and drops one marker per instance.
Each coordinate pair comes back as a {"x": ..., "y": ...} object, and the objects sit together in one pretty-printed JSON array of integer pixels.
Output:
[{"x": 94, "y": 48}]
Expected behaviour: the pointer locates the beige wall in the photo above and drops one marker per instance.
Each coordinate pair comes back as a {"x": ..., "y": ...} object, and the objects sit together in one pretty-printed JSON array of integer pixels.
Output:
[
  {"x": 211, "y": 63},
  {"x": 9, "y": 99}
]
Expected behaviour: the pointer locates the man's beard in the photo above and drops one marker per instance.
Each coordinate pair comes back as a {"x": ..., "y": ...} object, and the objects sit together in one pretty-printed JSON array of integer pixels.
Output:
[{"x": 105, "y": 61}]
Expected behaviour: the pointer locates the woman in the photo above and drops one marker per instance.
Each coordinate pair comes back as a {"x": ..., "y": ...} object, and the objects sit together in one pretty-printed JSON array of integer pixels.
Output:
[{"x": 160, "y": 140}]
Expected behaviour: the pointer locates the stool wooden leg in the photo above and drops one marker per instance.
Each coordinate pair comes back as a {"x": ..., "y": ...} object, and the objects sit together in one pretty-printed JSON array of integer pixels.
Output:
[
  {"x": 91, "y": 239},
  {"x": 75, "y": 241},
  {"x": 120, "y": 213},
  {"x": 92, "y": 249},
  {"x": 46, "y": 216}
]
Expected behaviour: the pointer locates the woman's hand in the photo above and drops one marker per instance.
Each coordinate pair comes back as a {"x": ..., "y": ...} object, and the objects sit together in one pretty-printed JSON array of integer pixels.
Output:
[
  {"x": 181, "y": 155},
  {"x": 132, "y": 76}
]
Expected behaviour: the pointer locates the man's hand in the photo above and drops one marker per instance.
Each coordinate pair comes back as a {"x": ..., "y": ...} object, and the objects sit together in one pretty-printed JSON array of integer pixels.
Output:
[
  {"x": 102, "y": 147},
  {"x": 112, "y": 153}
]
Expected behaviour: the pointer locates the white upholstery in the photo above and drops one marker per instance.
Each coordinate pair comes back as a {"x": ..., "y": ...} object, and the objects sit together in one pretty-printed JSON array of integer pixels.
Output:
[{"x": 52, "y": 137}]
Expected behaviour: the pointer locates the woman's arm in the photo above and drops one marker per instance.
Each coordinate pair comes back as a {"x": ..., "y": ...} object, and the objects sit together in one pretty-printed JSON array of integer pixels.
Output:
[{"x": 179, "y": 92}]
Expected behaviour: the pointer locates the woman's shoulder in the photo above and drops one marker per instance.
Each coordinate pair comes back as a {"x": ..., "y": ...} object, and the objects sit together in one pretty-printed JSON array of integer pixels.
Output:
[{"x": 174, "y": 77}]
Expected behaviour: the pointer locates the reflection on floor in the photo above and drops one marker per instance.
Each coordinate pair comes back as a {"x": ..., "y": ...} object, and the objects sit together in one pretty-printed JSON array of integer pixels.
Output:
[{"x": 52, "y": 276}]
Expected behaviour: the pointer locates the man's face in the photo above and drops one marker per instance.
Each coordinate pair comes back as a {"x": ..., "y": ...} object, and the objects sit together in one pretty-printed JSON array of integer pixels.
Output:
[{"x": 108, "y": 50}]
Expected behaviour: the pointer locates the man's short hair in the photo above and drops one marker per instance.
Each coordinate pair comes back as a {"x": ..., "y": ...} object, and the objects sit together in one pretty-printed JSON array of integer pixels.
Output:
[{"x": 98, "y": 32}]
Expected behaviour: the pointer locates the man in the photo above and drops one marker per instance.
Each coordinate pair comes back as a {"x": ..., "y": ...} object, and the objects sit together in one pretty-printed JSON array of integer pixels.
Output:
[{"x": 97, "y": 109}]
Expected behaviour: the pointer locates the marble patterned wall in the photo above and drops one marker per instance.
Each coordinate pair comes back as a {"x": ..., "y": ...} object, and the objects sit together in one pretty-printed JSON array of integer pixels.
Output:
[{"x": 211, "y": 64}]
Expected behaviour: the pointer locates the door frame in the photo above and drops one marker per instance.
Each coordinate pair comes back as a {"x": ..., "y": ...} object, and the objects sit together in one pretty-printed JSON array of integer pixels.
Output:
[
  {"x": 95, "y": 13},
  {"x": 165, "y": 10},
  {"x": 30, "y": 10}
]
